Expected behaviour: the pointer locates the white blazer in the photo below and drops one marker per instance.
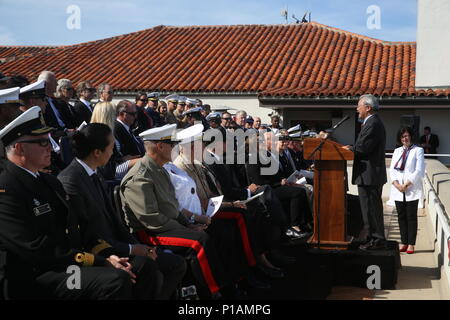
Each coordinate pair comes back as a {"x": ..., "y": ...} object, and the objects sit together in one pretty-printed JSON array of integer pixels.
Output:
[
  {"x": 185, "y": 189},
  {"x": 414, "y": 172}
]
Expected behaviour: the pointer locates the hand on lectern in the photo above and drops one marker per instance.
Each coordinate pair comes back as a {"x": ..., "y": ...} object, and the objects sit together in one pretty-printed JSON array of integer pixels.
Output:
[{"x": 347, "y": 147}]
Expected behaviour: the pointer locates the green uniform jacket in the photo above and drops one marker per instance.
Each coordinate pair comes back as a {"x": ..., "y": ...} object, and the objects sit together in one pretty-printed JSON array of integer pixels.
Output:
[{"x": 148, "y": 199}]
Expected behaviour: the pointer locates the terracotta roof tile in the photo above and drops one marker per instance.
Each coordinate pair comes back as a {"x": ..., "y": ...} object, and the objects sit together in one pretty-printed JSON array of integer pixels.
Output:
[{"x": 308, "y": 59}]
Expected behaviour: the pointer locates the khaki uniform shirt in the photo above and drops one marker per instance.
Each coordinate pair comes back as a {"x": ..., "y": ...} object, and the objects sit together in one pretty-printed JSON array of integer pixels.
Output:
[{"x": 148, "y": 198}]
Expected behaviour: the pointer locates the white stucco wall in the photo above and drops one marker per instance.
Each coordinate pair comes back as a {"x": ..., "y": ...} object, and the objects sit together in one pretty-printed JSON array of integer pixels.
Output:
[{"x": 433, "y": 44}]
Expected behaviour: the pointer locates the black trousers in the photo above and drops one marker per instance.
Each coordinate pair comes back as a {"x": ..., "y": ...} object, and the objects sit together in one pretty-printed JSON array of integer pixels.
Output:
[
  {"x": 172, "y": 268},
  {"x": 407, "y": 220},
  {"x": 97, "y": 283},
  {"x": 149, "y": 280},
  {"x": 297, "y": 204},
  {"x": 372, "y": 210}
]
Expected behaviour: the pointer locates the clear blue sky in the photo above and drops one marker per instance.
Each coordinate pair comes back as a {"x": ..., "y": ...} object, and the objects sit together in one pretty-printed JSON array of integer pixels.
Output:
[{"x": 44, "y": 22}]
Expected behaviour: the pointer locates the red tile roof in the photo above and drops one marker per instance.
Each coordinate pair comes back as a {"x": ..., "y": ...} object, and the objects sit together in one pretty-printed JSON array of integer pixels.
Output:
[
  {"x": 271, "y": 60},
  {"x": 10, "y": 53}
]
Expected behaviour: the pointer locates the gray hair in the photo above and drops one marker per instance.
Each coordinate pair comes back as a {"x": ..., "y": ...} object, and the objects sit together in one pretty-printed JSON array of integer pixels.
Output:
[
  {"x": 61, "y": 84},
  {"x": 371, "y": 101},
  {"x": 46, "y": 75},
  {"x": 241, "y": 112}
]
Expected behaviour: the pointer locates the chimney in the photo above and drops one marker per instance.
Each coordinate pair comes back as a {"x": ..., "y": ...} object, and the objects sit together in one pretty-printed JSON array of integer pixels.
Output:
[{"x": 433, "y": 44}]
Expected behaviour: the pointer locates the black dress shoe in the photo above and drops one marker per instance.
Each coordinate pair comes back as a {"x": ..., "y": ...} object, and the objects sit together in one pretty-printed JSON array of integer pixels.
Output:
[
  {"x": 377, "y": 244},
  {"x": 294, "y": 234},
  {"x": 271, "y": 272}
]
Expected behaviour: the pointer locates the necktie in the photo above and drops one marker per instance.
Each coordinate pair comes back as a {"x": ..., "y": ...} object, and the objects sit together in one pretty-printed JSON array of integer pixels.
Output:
[{"x": 98, "y": 186}]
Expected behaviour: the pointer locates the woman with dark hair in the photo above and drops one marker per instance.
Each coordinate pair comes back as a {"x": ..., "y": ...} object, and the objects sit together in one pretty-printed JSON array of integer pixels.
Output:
[
  {"x": 155, "y": 274},
  {"x": 407, "y": 172}
]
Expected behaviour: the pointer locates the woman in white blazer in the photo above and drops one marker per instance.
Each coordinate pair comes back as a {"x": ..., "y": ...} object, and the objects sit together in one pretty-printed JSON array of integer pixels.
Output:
[{"x": 407, "y": 172}]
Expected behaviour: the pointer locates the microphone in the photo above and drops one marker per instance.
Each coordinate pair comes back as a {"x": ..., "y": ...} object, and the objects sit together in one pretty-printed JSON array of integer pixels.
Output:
[{"x": 338, "y": 124}]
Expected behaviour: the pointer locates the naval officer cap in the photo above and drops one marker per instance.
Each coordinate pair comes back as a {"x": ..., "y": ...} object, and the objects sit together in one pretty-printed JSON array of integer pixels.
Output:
[
  {"x": 29, "y": 123},
  {"x": 33, "y": 90},
  {"x": 153, "y": 96},
  {"x": 214, "y": 116},
  {"x": 192, "y": 111},
  {"x": 10, "y": 96},
  {"x": 182, "y": 100},
  {"x": 295, "y": 129},
  {"x": 172, "y": 98},
  {"x": 164, "y": 133},
  {"x": 296, "y": 136},
  {"x": 191, "y": 101},
  {"x": 191, "y": 134}
]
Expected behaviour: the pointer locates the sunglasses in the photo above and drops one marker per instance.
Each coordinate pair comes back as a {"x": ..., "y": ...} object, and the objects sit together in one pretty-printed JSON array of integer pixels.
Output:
[
  {"x": 226, "y": 119},
  {"x": 45, "y": 142},
  {"x": 143, "y": 100}
]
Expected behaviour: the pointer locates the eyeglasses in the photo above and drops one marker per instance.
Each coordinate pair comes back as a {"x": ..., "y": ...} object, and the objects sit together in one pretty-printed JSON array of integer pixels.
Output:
[
  {"x": 226, "y": 119},
  {"x": 42, "y": 142}
]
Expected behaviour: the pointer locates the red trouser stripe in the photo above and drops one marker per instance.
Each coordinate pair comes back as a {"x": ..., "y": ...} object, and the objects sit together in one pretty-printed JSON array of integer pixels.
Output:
[
  {"x": 188, "y": 243},
  {"x": 243, "y": 230}
]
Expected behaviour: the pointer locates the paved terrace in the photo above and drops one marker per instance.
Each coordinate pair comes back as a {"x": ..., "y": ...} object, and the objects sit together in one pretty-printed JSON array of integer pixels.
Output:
[{"x": 421, "y": 276}]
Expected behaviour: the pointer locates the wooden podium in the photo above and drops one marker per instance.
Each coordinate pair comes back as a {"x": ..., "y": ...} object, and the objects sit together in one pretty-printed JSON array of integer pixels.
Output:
[{"x": 329, "y": 188}]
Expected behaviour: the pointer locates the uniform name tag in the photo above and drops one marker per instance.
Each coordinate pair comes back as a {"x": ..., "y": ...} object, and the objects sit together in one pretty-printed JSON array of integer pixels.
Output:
[{"x": 45, "y": 208}]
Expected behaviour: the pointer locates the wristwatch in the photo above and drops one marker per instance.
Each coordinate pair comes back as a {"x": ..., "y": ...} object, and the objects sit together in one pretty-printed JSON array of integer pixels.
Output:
[{"x": 192, "y": 218}]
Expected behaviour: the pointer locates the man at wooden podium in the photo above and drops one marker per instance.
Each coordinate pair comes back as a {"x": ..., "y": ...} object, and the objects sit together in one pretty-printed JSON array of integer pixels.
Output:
[{"x": 369, "y": 170}]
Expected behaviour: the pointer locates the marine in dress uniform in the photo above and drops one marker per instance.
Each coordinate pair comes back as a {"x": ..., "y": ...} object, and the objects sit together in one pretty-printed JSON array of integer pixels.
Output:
[
  {"x": 152, "y": 211},
  {"x": 34, "y": 214}
]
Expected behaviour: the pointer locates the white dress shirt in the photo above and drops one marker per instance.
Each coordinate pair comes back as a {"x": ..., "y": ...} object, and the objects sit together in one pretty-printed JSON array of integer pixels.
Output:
[{"x": 414, "y": 172}]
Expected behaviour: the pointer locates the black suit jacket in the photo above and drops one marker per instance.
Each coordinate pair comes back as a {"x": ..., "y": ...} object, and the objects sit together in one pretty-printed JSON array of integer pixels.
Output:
[
  {"x": 128, "y": 144},
  {"x": 143, "y": 121},
  {"x": 81, "y": 113},
  {"x": 34, "y": 215},
  {"x": 97, "y": 216},
  {"x": 434, "y": 142},
  {"x": 254, "y": 173},
  {"x": 369, "y": 166},
  {"x": 229, "y": 181}
]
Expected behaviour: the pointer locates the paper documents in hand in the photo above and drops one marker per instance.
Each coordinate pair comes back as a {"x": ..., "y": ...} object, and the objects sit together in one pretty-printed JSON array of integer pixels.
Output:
[
  {"x": 298, "y": 175},
  {"x": 84, "y": 124},
  {"x": 214, "y": 205},
  {"x": 252, "y": 198}
]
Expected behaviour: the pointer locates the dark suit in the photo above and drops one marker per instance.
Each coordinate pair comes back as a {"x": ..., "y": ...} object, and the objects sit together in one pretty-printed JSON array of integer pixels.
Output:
[
  {"x": 100, "y": 216},
  {"x": 293, "y": 198},
  {"x": 143, "y": 121},
  {"x": 81, "y": 112},
  {"x": 433, "y": 141},
  {"x": 34, "y": 215},
  {"x": 369, "y": 173},
  {"x": 129, "y": 145}
]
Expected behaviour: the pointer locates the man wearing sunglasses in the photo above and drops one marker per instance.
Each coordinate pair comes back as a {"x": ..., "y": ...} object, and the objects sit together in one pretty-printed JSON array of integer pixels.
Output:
[
  {"x": 38, "y": 233},
  {"x": 83, "y": 108},
  {"x": 143, "y": 120},
  {"x": 130, "y": 145}
]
